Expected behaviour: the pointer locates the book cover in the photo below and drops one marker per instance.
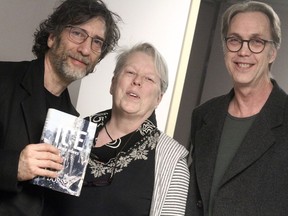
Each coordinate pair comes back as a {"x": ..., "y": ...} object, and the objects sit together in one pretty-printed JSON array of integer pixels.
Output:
[{"x": 73, "y": 136}]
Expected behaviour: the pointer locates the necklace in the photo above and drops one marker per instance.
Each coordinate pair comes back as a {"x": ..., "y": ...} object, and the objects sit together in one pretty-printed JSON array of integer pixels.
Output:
[
  {"x": 108, "y": 133},
  {"x": 113, "y": 167}
]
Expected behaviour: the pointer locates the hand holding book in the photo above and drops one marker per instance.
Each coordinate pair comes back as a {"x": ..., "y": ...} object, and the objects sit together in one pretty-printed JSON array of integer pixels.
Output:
[
  {"x": 73, "y": 136},
  {"x": 40, "y": 159}
]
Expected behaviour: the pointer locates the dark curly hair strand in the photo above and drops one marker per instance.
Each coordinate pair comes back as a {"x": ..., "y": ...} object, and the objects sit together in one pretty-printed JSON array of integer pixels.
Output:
[{"x": 75, "y": 12}]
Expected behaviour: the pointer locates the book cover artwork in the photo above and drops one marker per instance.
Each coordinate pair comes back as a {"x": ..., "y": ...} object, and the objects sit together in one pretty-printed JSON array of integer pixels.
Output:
[{"x": 73, "y": 136}]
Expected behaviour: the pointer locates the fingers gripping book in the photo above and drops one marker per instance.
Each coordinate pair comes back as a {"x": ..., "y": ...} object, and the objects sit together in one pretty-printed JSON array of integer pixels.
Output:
[{"x": 73, "y": 136}]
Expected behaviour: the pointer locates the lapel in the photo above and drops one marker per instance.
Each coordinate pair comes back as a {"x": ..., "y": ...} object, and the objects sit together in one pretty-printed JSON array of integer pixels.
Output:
[
  {"x": 34, "y": 105},
  {"x": 207, "y": 141},
  {"x": 260, "y": 137},
  {"x": 257, "y": 141}
]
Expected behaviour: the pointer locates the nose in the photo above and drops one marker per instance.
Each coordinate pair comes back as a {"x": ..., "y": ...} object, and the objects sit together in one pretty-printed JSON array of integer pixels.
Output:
[
  {"x": 85, "y": 47},
  {"x": 244, "y": 49},
  {"x": 137, "y": 80}
]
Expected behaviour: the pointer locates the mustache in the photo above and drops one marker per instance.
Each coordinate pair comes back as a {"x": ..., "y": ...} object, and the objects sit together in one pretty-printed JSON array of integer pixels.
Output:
[{"x": 81, "y": 58}]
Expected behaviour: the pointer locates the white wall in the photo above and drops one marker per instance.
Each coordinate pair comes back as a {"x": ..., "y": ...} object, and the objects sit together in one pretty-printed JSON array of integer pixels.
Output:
[
  {"x": 160, "y": 22},
  {"x": 18, "y": 21}
]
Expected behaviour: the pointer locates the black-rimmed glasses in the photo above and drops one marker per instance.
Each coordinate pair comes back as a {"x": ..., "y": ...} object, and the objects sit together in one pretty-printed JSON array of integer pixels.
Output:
[
  {"x": 255, "y": 45},
  {"x": 79, "y": 35}
]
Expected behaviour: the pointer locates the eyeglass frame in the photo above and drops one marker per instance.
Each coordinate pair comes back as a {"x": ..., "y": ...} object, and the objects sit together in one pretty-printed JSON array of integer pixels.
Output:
[
  {"x": 248, "y": 43},
  {"x": 104, "y": 44}
]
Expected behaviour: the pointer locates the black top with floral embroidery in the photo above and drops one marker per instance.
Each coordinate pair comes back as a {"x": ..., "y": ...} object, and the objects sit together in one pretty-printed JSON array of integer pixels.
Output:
[{"x": 120, "y": 175}]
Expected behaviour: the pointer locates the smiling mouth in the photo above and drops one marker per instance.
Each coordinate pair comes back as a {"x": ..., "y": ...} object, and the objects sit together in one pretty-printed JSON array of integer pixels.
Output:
[{"x": 244, "y": 65}]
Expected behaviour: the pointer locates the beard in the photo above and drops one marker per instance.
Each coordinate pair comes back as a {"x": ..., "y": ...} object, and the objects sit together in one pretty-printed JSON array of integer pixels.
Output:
[{"x": 59, "y": 60}]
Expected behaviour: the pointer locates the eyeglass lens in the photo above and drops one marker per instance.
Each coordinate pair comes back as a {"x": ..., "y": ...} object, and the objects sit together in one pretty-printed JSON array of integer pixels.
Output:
[
  {"x": 254, "y": 45},
  {"x": 78, "y": 35}
]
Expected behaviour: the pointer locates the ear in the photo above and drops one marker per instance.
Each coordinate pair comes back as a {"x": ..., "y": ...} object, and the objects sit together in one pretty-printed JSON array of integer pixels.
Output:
[
  {"x": 272, "y": 55},
  {"x": 51, "y": 40},
  {"x": 159, "y": 99},
  {"x": 112, "y": 85}
]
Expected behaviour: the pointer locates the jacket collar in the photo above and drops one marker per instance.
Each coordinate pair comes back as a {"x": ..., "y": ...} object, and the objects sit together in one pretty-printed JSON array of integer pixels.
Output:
[
  {"x": 34, "y": 105},
  {"x": 261, "y": 136},
  {"x": 258, "y": 140}
]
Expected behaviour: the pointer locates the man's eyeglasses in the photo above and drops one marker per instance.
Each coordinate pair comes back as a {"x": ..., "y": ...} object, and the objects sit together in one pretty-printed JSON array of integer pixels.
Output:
[
  {"x": 255, "y": 45},
  {"x": 79, "y": 35}
]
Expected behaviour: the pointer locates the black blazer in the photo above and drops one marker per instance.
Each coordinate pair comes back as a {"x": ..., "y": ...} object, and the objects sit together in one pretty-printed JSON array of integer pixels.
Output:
[
  {"x": 22, "y": 116},
  {"x": 256, "y": 182}
]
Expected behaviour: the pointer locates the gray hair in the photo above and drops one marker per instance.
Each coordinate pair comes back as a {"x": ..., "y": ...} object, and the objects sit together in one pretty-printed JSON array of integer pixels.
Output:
[
  {"x": 150, "y": 50},
  {"x": 253, "y": 6}
]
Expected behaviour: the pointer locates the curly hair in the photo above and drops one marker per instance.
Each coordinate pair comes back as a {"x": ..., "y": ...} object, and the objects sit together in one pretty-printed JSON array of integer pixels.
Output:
[{"x": 76, "y": 12}]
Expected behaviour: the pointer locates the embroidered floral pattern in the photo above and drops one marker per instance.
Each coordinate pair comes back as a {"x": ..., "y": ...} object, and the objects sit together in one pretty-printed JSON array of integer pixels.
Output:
[{"x": 139, "y": 151}]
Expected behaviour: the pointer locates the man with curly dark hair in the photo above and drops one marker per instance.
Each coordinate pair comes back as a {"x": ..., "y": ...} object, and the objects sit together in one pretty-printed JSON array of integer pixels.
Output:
[{"x": 68, "y": 45}]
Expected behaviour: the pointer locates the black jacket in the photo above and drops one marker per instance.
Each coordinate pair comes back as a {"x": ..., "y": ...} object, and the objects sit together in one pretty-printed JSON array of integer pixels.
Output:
[{"x": 22, "y": 115}]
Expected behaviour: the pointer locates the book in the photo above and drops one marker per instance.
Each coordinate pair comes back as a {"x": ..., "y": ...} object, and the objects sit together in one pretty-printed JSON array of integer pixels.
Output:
[{"x": 73, "y": 136}]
